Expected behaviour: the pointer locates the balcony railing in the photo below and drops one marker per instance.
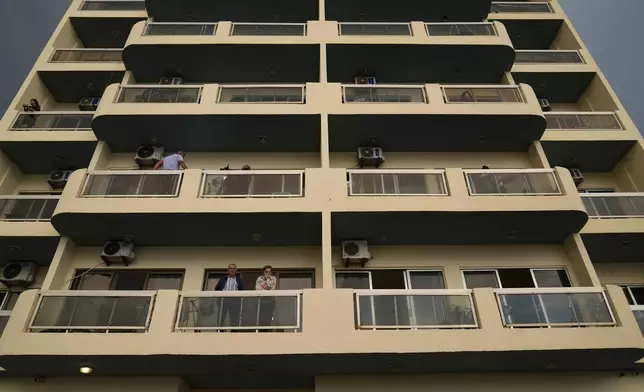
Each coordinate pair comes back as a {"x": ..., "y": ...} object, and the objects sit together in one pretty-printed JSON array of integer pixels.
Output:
[
  {"x": 159, "y": 94},
  {"x": 614, "y": 205},
  {"x": 263, "y": 94},
  {"x": 93, "y": 311},
  {"x": 515, "y": 6},
  {"x": 214, "y": 311},
  {"x": 414, "y": 309},
  {"x": 397, "y": 183},
  {"x": 134, "y": 183},
  {"x": 445, "y": 29},
  {"x": 638, "y": 312},
  {"x": 257, "y": 183},
  {"x": 383, "y": 94},
  {"x": 27, "y": 208},
  {"x": 53, "y": 121},
  {"x": 512, "y": 182},
  {"x": 162, "y": 28},
  {"x": 587, "y": 121},
  {"x": 554, "y": 307},
  {"x": 548, "y": 56},
  {"x": 284, "y": 29},
  {"x": 482, "y": 94},
  {"x": 86, "y": 55},
  {"x": 374, "y": 29},
  {"x": 113, "y": 5}
]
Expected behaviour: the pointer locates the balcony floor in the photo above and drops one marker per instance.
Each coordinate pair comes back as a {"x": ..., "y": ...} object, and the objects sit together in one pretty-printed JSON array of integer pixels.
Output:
[
  {"x": 420, "y": 63},
  {"x": 211, "y": 133},
  {"x": 614, "y": 247},
  {"x": 457, "y": 228},
  {"x": 287, "y": 11},
  {"x": 298, "y": 371},
  {"x": 197, "y": 229},
  {"x": 43, "y": 157},
  {"x": 459, "y": 132},
  {"x": 224, "y": 63}
]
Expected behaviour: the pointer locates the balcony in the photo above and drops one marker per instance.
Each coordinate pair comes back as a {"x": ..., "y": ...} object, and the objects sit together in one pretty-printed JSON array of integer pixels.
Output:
[
  {"x": 268, "y": 29},
  {"x": 521, "y": 7},
  {"x": 548, "y": 57},
  {"x": 415, "y": 309},
  {"x": 142, "y": 204},
  {"x": 435, "y": 117},
  {"x": 92, "y": 312},
  {"x": 210, "y": 118},
  {"x": 86, "y": 55},
  {"x": 455, "y": 206},
  {"x": 113, "y": 5},
  {"x": 442, "y": 52},
  {"x": 248, "y": 311},
  {"x": 25, "y": 230},
  {"x": 443, "y": 330},
  {"x": 583, "y": 121},
  {"x": 614, "y": 205},
  {"x": 554, "y": 308},
  {"x": 289, "y": 11},
  {"x": 406, "y": 10},
  {"x": 192, "y": 29},
  {"x": 53, "y": 121}
]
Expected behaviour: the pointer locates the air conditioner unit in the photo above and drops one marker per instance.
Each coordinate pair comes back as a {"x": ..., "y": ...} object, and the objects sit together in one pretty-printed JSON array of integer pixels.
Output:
[
  {"x": 171, "y": 81},
  {"x": 147, "y": 156},
  {"x": 88, "y": 104},
  {"x": 355, "y": 252},
  {"x": 120, "y": 252},
  {"x": 58, "y": 178},
  {"x": 545, "y": 105},
  {"x": 18, "y": 274},
  {"x": 577, "y": 177},
  {"x": 370, "y": 156},
  {"x": 364, "y": 80}
]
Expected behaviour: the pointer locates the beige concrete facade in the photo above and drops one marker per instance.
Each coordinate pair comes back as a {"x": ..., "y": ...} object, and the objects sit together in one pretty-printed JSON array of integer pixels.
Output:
[{"x": 342, "y": 340}]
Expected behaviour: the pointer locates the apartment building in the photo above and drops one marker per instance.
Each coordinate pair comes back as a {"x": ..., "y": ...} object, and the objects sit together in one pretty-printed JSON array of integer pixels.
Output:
[{"x": 447, "y": 191}]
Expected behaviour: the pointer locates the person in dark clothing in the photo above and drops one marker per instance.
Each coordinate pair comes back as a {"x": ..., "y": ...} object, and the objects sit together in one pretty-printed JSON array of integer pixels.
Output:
[
  {"x": 230, "y": 306},
  {"x": 33, "y": 106},
  {"x": 238, "y": 184}
]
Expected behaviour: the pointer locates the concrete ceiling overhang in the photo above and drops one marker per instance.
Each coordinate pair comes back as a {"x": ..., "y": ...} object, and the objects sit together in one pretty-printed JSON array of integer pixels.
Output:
[
  {"x": 614, "y": 247},
  {"x": 532, "y": 34},
  {"x": 192, "y": 229},
  {"x": 407, "y": 10},
  {"x": 588, "y": 156},
  {"x": 224, "y": 63},
  {"x": 103, "y": 32},
  {"x": 457, "y": 228},
  {"x": 437, "y": 132},
  {"x": 45, "y": 157},
  {"x": 274, "y": 11},
  {"x": 556, "y": 87},
  {"x": 397, "y": 64},
  {"x": 71, "y": 86},
  {"x": 211, "y": 133},
  {"x": 39, "y": 249}
]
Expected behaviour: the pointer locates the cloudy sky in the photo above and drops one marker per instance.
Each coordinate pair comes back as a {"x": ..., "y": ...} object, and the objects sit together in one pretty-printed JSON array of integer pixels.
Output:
[{"x": 610, "y": 28}]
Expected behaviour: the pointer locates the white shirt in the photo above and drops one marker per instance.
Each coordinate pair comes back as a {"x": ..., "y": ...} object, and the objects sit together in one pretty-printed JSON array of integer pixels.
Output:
[
  {"x": 171, "y": 162},
  {"x": 231, "y": 284}
]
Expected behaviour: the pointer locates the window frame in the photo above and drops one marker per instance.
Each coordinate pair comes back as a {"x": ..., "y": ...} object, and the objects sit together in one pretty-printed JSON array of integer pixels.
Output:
[
  {"x": 498, "y": 278},
  {"x": 627, "y": 287},
  {"x": 79, "y": 275}
]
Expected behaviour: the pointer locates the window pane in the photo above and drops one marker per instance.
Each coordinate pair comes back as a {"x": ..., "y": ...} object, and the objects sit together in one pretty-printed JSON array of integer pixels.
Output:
[
  {"x": 131, "y": 280},
  {"x": 212, "y": 279},
  {"x": 426, "y": 280},
  {"x": 11, "y": 300},
  {"x": 638, "y": 294},
  {"x": 95, "y": 281},
  {"x": 294, "y": 280},
  {"x": 515, "y": 278},
  {"x": 476, "y": 279},
  {"x": 352, "y": 280},
  {"x": 551, "y": 278},
  {"x": 164, "y": 282},
  {"x": 628, "y": 295}
]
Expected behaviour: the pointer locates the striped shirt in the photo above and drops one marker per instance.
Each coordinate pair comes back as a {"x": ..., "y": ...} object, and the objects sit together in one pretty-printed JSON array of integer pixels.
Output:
[{"x": 231, "y": 284}]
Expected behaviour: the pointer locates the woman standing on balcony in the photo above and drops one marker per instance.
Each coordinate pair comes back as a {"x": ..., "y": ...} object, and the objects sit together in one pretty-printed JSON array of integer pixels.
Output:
[{"x": 266, "y": 282}]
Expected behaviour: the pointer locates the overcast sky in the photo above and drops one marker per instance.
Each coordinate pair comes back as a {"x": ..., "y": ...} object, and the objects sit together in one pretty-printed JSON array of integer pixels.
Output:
[{"x": 611, "y": 29}]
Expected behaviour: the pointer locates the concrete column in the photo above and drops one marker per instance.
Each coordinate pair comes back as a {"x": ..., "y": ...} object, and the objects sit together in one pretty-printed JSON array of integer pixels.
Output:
[
  {"x": 538, "y": 156},
  {"x": 163, "y": 316},
  {"x": 487, "y": 309},
  {"x": 58, "y": 275},
  {"x": 582, "y": 265},
  {"x": 325, "y": 159},
  {"x": 327, "y": 248},
  {"x": 101, "y": 158}
]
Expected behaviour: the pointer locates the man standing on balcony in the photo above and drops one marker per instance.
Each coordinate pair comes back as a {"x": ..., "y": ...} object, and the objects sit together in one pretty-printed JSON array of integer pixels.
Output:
[
  {"x": 230, "y": 306},
  {"x": 172, "y": 162}
]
